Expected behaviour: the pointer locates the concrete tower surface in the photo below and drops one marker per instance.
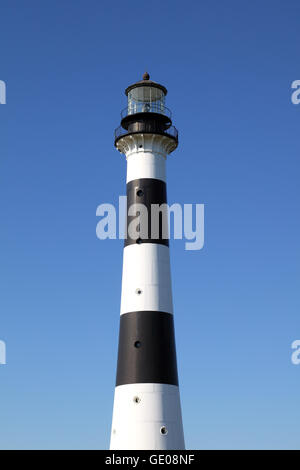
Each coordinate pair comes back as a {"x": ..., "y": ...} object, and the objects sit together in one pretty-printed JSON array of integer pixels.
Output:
[{"x": 147, "y": 412}]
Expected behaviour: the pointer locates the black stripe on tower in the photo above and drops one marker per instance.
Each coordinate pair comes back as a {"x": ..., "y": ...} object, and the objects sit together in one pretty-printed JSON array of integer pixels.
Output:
[
  {"x": 147, "y": 352},
  {"x": 146, "y": 191}
]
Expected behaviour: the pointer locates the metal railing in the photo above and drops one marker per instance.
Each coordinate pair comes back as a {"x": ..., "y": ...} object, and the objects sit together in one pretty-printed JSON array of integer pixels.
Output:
[
  {"x": 171, "y": 132},
  {"x": 134, "y": 108}
]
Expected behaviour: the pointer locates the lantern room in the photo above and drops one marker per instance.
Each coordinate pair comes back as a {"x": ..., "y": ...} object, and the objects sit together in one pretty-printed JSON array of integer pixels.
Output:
[{"x": 146, "y": 96}]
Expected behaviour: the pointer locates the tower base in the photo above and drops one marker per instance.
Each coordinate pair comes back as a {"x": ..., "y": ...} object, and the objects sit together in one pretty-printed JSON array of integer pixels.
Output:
[{"x": 147, "y": 417}]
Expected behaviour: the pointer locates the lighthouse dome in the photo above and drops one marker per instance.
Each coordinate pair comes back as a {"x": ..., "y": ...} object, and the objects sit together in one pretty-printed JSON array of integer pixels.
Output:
[{"x": 146, "y": 96}]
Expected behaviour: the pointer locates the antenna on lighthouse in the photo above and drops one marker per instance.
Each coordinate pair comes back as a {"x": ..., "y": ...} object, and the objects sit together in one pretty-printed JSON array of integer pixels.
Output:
[{"x": 147, "y": 411}]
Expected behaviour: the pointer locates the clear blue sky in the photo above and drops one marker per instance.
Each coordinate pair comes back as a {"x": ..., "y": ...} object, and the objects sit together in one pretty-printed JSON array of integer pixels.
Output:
[{"x": 228, "y": 67}]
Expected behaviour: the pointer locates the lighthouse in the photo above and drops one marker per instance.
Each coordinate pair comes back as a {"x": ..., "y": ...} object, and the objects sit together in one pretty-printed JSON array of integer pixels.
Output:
[{"x": 147, "y": 410}]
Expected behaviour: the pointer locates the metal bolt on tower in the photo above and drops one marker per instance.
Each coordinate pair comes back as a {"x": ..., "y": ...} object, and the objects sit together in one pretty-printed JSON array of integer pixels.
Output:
[{"x": 147, "y": 412}]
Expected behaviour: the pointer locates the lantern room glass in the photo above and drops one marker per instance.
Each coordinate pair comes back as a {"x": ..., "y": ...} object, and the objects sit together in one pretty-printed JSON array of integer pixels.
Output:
[{"x": 146, "y": 99}]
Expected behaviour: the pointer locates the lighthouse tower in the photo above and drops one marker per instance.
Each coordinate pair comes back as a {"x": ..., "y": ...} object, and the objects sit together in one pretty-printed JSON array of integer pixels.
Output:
[{"x": 147, "y": 412}]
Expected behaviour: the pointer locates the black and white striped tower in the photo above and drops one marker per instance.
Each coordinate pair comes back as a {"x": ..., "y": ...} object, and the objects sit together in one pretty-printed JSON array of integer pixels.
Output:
[{"x": 147, "y": 412}]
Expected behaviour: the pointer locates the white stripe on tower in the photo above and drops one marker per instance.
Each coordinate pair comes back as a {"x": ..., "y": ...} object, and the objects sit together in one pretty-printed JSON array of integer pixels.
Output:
[{"x": 147, "y": 412}]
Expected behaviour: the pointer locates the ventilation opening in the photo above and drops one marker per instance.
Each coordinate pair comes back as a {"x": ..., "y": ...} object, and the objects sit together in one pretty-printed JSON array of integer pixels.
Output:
[
  {"x": 138, "y": 291},
  {"x": 137, "y": 344},
  {"x": 136, "y": 400},
  {"x": 163, "y": 430},
  {"x": 140, "y": 193}
]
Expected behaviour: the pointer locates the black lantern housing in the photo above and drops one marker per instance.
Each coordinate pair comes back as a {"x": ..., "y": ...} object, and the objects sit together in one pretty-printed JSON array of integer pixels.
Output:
[{"x": 146, "y": 112}]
